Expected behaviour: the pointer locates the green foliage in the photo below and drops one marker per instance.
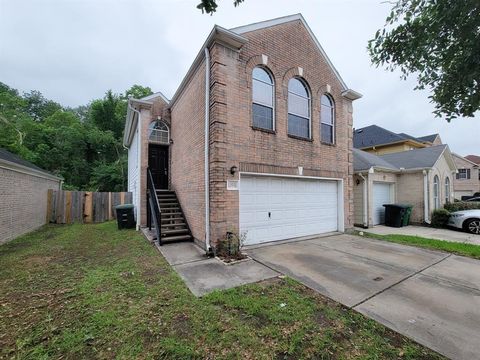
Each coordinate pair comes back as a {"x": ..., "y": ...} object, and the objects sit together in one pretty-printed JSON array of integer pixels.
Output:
[
  {"x": 440, "y": 218},
  {"x": 210, "y": 6},
  {"x": 83, "y": 145},
  {"x": 462, "y": 205},
  {"x": 439, "y": 41}
]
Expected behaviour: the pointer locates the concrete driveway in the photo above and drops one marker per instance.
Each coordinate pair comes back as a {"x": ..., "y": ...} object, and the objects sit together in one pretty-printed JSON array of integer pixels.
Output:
[{"x": 429, "y": 296}]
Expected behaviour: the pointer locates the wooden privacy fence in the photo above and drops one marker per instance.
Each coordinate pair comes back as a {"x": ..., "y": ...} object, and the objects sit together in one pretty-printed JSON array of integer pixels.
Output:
[{"x": 67, "y": 207}]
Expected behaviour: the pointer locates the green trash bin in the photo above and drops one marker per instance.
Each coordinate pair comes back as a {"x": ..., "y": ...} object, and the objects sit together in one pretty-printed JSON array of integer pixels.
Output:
[
  {"x": 125, "y": 216},
  {"x": 406, "y": 216}
]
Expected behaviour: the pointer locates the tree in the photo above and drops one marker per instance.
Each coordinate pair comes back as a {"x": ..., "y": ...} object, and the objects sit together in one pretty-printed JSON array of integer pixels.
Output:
[
  {"x": 210, "y": 6},
  {"x": 439, "y": 41}
]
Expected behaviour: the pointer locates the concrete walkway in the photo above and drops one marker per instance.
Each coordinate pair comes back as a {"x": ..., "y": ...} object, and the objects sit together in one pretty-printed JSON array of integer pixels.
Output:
[
  {"x": 429, "y": 296},
  {"x": 203, "y": 275},
  {"x": 426, "y": 232}
]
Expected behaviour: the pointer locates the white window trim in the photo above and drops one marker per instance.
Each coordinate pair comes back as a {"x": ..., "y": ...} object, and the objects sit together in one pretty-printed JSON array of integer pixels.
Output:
[
  {"x": 273, "y": 97},
  {"x": 447, "y": 189},
  {"x": 436, "y": 192},
  {"x": 150, "y": 131},
  {"x": 334, "y": 122},
  {"x": 309, "y": 98}
]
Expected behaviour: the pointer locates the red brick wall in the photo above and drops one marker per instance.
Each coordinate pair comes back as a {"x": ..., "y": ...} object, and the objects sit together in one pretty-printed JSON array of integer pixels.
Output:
[
  {"x": 234, "y": 142},
  {"x": 187, "y": 152}
]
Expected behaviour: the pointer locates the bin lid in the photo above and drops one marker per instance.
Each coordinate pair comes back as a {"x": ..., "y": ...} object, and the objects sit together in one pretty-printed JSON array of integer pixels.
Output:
[
  {"x": 124, "y": 206},
  {"x": 400, "y": 206}
]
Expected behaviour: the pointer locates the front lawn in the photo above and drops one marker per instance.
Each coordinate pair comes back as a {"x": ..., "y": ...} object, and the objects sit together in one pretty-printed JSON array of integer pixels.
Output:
[
  {"x": 469, "y": 250},
  {"x": 91, "y": 291}
]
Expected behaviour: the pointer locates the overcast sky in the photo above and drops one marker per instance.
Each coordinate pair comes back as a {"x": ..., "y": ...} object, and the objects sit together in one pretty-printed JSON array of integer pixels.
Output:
[{"x": 74, "y": 50}]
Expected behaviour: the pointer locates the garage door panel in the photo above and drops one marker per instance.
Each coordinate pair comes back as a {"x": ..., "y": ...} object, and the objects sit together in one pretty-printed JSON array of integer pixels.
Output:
[
  {"x": 382, "y": 194},
  {"x": 297, "y": 207}
]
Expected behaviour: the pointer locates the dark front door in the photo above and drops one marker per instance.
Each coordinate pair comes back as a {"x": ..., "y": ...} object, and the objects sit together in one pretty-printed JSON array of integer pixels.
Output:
[{"x": 158, "y": 163}]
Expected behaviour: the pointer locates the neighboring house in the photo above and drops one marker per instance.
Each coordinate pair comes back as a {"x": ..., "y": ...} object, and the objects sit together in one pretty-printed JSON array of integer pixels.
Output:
[
  {"x": 422, "y": 178},
  {"x": 379, "y": 141},
  {"x": 473, "y": 158},
  {"x": 257, "y": 139},
  {"x": 23, "y": 195},
  {"x": 467, "y": 181}
]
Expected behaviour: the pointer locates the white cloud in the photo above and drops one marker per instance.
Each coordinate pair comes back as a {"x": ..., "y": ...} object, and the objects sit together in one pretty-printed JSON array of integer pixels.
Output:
[{"x": 74, "y": 50}]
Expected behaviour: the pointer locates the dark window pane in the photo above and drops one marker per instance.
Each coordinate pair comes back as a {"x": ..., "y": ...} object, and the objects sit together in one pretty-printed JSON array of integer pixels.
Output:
[
  {"x": 327, "y": 133},
  {"x": 262, "y": 116},
  {"x": 298, "y": 126}
]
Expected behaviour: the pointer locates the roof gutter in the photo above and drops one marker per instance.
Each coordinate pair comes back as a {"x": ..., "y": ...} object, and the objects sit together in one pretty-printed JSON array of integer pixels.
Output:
[
  {"x": 425, "y": 197},
  {"x": 365, "y": 200}
]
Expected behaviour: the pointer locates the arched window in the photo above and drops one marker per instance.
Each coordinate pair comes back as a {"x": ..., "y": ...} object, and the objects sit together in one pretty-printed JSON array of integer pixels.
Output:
[
  {"x": 436, "y": 195},
  {"x": 447, "y": 190},
  {"x": 327, "y": 119},
  {"x": 263, "y": 91},
  {"x": 159, "y": 132},
  {"x": 298, "y": 109}
]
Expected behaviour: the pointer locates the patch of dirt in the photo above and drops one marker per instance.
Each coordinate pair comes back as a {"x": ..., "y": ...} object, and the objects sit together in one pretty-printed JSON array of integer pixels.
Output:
[
  {"x": 38, "y": 260},
  {"x": 181, "y": 324}
]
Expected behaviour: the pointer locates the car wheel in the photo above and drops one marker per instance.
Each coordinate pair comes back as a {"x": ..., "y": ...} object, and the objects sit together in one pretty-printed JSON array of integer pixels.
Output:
[{"x": 473, "y": 226}]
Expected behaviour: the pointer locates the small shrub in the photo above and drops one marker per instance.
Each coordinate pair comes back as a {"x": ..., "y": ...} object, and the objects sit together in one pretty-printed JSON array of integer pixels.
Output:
[
  {"x": 229, "y": 248},
  {"x": 462, "y": 205},
  {"x": 440, "y": 218}
]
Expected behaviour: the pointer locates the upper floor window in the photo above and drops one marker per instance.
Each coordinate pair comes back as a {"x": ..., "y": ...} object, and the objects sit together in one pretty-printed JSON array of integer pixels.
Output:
[
  {"x": 447, "y": 190},
  {"x": 262, "y": 99},
  {"x": 327, "y": 119},
  {"x": 463, "y": 174},
  {"x": 159, "y": 132},
  {"x": 436, "y": 190},
  {"x": 298, "y": 109}
]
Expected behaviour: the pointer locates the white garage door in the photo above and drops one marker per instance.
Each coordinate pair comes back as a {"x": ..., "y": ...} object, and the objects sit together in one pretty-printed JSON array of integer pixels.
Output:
[
  {"x": 276, "y": 208},
  {"x": 382, "y": 194}
]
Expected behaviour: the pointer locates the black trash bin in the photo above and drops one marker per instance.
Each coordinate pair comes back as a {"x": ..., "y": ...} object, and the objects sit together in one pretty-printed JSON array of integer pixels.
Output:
[
  {"x": 125, "y": 216},
  {"x": 395, "y": 214}
]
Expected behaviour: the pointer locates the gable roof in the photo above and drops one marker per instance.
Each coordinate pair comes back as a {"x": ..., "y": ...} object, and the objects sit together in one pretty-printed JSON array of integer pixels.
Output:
[
  {"x": 285, "y": 19},
  {"x": 473, "y": 158},
  {"x": 430, "y": 138},
  {"x": 155, "y": 95},
  {"x": 363, "y": 161},
  {"x": 375, "y": 135},
  {"x": 417, "y": 158},
  {"x": 8, "y": 158}
]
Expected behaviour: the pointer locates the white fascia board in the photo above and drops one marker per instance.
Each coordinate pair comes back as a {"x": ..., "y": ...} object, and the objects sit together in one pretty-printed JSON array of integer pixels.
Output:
[
  {"x": 130, "y": 123},
  {"x": 218, "y": 33},
  {"x": 155, "y": 95},
  {"x": 286, "y": 19},
  {"x": 351, "y": 94}
]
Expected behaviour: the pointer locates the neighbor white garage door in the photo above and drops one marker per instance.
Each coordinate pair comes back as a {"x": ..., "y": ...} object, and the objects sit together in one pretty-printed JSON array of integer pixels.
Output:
[
  {"x": 382, "y": 194},
  {"x": 278, "y": 208}
]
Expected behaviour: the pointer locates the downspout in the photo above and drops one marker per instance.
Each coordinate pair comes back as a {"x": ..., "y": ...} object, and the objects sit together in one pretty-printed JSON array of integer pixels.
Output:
[
  {"x": 207, "y": 141},
  {"x": 425, "y": 197},
  {"x": 139, "y": 162},
  {"x": 365, "y": 199}
]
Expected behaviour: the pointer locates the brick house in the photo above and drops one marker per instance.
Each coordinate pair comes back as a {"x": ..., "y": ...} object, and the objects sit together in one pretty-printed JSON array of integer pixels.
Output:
[
  {"x": 421, "y": 177},
  {"x": 256, "y": 140},
  {"x": 23, "y": 195}
]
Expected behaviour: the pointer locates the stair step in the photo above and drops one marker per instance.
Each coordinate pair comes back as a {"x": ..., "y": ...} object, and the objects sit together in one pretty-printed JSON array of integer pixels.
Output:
[
  {"x": 169, "y": 209},
  {"x": 165, "y": 192},
  {"x": 177, "y": 238},
  {"x": 167, "y": 219},
  {"x": 168, "y": 203},
  {"x": 166, "y": 215},
  {"x": 173, "y": 232},
  {"x": 164, "y": 226}
]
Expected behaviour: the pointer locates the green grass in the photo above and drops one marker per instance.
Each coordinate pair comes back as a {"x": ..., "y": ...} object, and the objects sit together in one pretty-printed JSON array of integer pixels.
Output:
[
  {"x": 91, "y": 291},
  {"x": 469, "y": 250}
]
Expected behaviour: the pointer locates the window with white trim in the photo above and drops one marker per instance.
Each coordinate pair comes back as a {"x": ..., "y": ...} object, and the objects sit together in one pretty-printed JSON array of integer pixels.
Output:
[
  {"x": 463, "y": 174},
  {"x": 298, "y": 109},
  {"x": 436, "y": 195},
  {"x": 263, "y": 91},
  {"x": 447, "y": 190},
  {"x": 327, "y": 119},
  {"x": 158, "y": 132}
]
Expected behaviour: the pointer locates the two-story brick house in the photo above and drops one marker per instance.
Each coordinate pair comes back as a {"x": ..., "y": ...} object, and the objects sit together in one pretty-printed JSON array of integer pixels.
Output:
[{"x": 257, "y": 139}]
